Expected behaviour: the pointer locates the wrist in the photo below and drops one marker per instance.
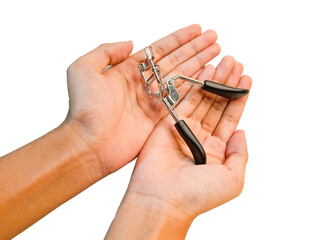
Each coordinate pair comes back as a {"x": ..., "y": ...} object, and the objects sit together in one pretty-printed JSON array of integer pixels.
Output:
[
  {"x": 145, "y": 217},
  {"x": 42, "y": 175},
  {"x": 86, "y": 157}
]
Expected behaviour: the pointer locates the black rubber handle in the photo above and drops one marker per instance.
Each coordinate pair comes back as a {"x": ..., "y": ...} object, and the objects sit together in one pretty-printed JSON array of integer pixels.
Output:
[
  {"x": 223, "y": 90},
  {"x": 190, "y": 139}
]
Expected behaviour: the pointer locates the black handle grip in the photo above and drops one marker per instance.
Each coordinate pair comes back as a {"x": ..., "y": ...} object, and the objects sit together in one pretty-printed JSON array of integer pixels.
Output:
[
  {"x": 190, "y": 139},
  {"x": 223, "y": 90}
]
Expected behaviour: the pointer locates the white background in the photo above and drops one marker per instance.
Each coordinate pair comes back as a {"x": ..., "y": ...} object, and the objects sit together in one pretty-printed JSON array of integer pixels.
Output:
[{"x": 278, "y": 43}]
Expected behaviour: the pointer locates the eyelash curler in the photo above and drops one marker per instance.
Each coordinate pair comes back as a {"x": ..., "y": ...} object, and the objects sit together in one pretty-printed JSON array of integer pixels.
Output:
[{"x": 169, "y": 95}]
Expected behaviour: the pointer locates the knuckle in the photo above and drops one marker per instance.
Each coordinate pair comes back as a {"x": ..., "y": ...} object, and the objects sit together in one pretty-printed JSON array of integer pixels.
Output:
[
  {"x": 219, "y": 104},
  {"x": 174, "y": 58},
  {"x": 207, "y": 99},
  {"x": 177, "y": 38},
  {"x": 230, "y": 118},
  {"x": 198, "y": 60},
  {"x": 193, "y": 47},
  {"x": 193, "y": 100},
  {"x": 207, "y": 126},
  {"x": 159, "y": 49}
]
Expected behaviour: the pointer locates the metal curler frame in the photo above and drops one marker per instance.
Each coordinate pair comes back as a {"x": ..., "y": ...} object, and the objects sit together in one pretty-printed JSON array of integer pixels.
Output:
[{"x": 169, "y": 95}]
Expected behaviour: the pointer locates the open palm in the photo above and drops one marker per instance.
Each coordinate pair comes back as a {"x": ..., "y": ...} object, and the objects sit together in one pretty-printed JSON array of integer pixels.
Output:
[
  {"x": 111, "y": 110},
  {"x": 165, "y": 168}
]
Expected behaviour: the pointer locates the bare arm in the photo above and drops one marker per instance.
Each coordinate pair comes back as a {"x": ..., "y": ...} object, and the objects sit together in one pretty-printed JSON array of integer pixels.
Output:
[
  {"x": 42, "y": 175},
  {"x": 109, "y": 119}
]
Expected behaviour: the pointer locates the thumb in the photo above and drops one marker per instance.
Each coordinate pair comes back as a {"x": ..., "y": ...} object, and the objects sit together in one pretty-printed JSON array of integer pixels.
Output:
[
  {"x": 107, "y": 54},
  {"x": 237, "y": 153}
]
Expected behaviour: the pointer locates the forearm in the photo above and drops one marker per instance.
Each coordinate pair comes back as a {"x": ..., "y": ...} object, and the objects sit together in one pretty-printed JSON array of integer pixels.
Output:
[
  {"x": 42, "y": 175},
  {"x": 144, "y": 217}
]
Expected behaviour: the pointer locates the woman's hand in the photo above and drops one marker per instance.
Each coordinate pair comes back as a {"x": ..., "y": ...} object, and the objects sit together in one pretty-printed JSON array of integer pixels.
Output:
[
  {"x": 167, "y": 189},
  {"x": 110, "y": 117},
  {"x": 111, "y": 110}
]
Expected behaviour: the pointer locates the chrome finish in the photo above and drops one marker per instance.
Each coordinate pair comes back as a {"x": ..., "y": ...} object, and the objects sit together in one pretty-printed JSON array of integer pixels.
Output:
[
  {"x": 191, "y": 80},
  {"x": 167, "y": 92},
  {"x": 171, "y": 110},
  {"x": 173, "y": 95}
]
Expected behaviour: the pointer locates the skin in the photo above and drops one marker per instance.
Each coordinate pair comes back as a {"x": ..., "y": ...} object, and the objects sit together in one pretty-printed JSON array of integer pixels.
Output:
[
  {"x": 109, "y": 120},
  {"x": 118, "y": 97},
  {"x": 167, "y": 190}
]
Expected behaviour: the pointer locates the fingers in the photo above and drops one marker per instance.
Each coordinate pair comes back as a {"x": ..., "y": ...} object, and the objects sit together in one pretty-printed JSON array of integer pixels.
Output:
[
  {"x": 107, "y": 54},
  {"x": 196, "y": 74},
  {"x": 169, "y": 43},
  {"x": 232, "y": 114},
  {"x": 187, "y": 51},
  {"x": 196, "y": 62},
  {"x": 223, "y": 70},
  {"x": 215, "y": 150},
  {"x": 191, "y": 66},
  {"x": 225, "y": 67},
  {"x": 236, "y": 153},
  {"x": 214, "y": 113},
  {"x": 193, "y": 98}
]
